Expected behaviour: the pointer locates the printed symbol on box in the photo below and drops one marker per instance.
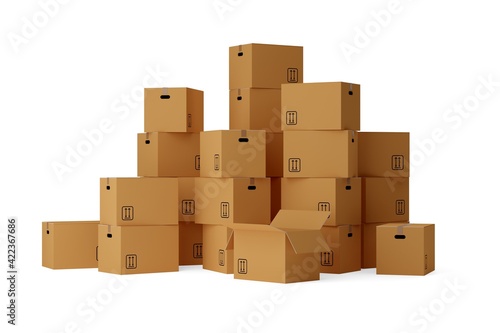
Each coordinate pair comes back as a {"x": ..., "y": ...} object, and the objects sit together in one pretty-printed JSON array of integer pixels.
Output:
[
  {"x": 189, "y": 120},
  {"x": 198, "y": 250},
  {"x": 398, "y": 162},
  {"x": 224, "y": 210},
  {"x": 400, "y": 207},
  {"x": 425, "y": 262},
  {"x": 327, "y": 258},
  {"x": 291, "y": 117},
  {"x": 188, "y": 207},
  {"x": 131, "y": 261},
  {"x": 324, "y": 206},
  {"x": 242, "y": 266},
  {"x": 127, "y": 213},
  {"x": 294, "y": 164},
  {"x": 197, "y": 162},
  {"x": 293, "y": 75},
  {"x": 221, "y": 257},
  {"x": 216, "y": 162}
]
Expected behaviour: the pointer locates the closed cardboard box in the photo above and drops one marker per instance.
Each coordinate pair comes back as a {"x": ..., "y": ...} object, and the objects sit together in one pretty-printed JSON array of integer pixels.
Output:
[
  {"x": 225, "y": 201},
  {"x": 286, "y": 251},
  {"x": 218, "y": 248},
  {"x": 345, "y": 249},
  {"x": 187, "y": 204},
  {"x": 385, "y": 200},
  {"x": 233, "y": 153},
  {"x": 264, "y": 65},
  {"x": 69, "y": 244},
  {"x": 329, "y": 154},
  {"x": 339, "y": 196},
  {"x": 139, "y": 201},
  {"x": 168, "y": 154},
  {"x": 384, "y": 154},
  {"x": 369, "y": 243},
  {"x": 274, "y": 154},
  {"x": 320, "y": 106},
  {"x": 406, "y": 249},
  {"x": 138, "y": 249},
  {"x": 252, "y": 108},
  {"x": 173, "y": 110},
  {"x": 190, "y": 243}
]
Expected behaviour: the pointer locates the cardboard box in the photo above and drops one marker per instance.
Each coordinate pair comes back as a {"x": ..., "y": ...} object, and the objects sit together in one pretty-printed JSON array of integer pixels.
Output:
[
  {"x": 173, "y": 110},
  {"x": 232, "y": 153},
  {"x": 369, "y": 243},
  {"x": 225, "y": 201},
  {"x": 187, "y": 204},
  {"x": 274, "y": 154},
  {"x": 286, "y": 251},
  {"x": 345, "y": 249},
  {"x": 320, "y": 154},
  {"x": 275, "y": 196},
  {"x": 139, "y": 201},
  {"x": 384, "y": 154},
  {"x": 257, "y": 109},
  {"x": 138, "y": 249},
  {"x": 69, "y": 244},
  {"x": 385, "y": 200},
  {"x": 407, "y": 249},
  {"x": 339, "y": 196},
  {"x": 320, "y": 106},
  {"x": 190, "y": 243},
  {"x": 162, "y": 154},
  {"x": 264, "y": 65},
  {"x": 218, "y": 248}
]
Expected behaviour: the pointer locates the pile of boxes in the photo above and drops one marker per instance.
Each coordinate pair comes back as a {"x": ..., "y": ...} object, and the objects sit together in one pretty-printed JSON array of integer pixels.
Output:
[{"x": 293, "y": 189}]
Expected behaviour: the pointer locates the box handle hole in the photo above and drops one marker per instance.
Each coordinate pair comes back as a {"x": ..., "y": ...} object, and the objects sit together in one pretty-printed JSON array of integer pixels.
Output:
[
  {"x": 239, "y": 98},
  {"x": 400, "y": 236},
  {"x": 165, "y": 96},
  {"x": 243, "y": 139},
  {"x": 252, "y": 187},
  {"x": 349, "y": 234},
  {"x": 240, "y": 54},
  {"x": 350, "y": 92},
  {"x": 109, "y": 235},
  {"x": 348, "y": 187},
  {"x": 148, "y": 142},
  {"x": 108, "y": 187}
]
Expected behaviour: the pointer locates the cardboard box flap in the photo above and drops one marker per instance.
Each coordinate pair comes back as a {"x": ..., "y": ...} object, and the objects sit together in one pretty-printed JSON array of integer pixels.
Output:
[
  {"x": 300, "y": 219},
  {"x": 230, "y": 242},
  {"x": 307, "y": 241},
  {"x": 254, "y": 227}
]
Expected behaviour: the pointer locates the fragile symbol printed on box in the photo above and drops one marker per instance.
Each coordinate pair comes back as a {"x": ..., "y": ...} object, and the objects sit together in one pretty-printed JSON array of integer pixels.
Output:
[
  {"x": 131, "y": 261},
  {"x": 291, "y": 117},
  {"x": 189, "y": 119},
  {"x": 197, "y": 250},
  {"x": 188, "y": 207},
  {"x": 221, "y": 257},
  {"x": 324, "y": 206},
  {"x": 398, "y": 162},
  {"x": 293, "y": 75},
  {"x": 127, "y": 213},
  {"x": 224, "y": 210},
  {"x": 197, "y": 162},
  {"x": 216, "y": 162},
  {"x": 327, "y": 258},
  {"x": 400, "y": 207},
  {"x": 294, "y": 165},
  {"x": 242, "y": 266}
]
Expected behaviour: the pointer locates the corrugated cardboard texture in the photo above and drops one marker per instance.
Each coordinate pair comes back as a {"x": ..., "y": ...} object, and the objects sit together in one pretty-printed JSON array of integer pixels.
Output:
[
  {"x": 340, "y": 196},
  {"x": 384, "y": 154},
  {"x": 320, "y": 154},
  {"x": 385, "y": 200},
  {"x": 173, "y": 110},
  {"x": 405, "y": 250},
  {"x": 69, "y": 244},
  {"x": 138, "y": 249},
  {"x": 369, "y": 243},
  {"x": 218, "y": 249},
  {"x": 264, "y": 66},
  {"x": 257, "y": 109},
  {"x": 190, "y": 243},
  {"x": 139, "y": 201},
  {"x": 320, "y": 106},
  {"x": 168, "y": 154},
  {"x": 345, "y": 245}
]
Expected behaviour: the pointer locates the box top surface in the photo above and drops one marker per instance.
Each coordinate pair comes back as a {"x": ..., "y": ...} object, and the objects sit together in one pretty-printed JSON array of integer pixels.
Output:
[
  {"x": 260, "y": 44},
  {"x": 405, "y": 225},
  {"x": 300, "y": 219},
  {"x": 69, "y": 222}
]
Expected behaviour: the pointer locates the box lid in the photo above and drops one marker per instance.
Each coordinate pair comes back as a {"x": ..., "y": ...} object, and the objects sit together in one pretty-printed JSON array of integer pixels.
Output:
[{"x": 300, "y": 219}]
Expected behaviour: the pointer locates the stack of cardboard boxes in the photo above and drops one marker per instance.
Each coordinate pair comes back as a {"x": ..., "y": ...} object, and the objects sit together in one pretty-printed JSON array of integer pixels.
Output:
[{"x": 291, "y": 190}]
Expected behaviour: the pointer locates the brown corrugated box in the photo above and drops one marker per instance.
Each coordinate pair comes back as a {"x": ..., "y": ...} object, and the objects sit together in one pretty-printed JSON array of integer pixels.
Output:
[
  {"x": 190, "y": 243},
  {"x": 407, "y": 249},
  {"x": 173, "y": 110},
  {"x": 320, "y": 154},
  {"x": 264, "y": 65},
  {"x": 138, "y": 249},
  {"x": 187, "y": 204},
  {"x": 218, "y": 248},
  {"x": 369, "y": 241},
  {"x": 71, "y": 244},
  {"x": 339, "y": 196},
  {"x": 286, "y": 251},
  {"x": 162, "y": 154},
  {"x": 139, "y": 201},
  {"x": 320, "y": 106},
  {"x": 258, "y": 109},
  {"x": 384, "y": 154},
  {"x": 233, "y": 153},
  {"x": 345, "y": 249},
  {"x": 385, "y": 200},
  {"x": 224, "y": 201}
]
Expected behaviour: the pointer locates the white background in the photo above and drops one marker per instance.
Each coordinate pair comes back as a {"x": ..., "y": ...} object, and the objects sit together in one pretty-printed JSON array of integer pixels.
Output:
[{"x": 73, "y": 71}]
